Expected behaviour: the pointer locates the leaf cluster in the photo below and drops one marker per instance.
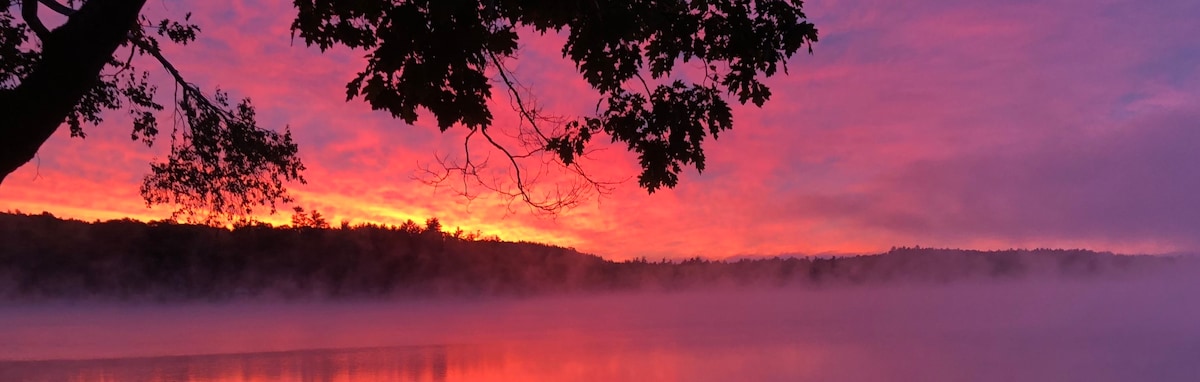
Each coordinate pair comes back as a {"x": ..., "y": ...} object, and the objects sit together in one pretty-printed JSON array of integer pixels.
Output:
[
  {"x": 433, "y": 54},
  {"x": 17, "y": 57},
  {"x": 221, "y": 165},
  {"x": 443, "y": 56},
  {"x": 225, "y": 165}
]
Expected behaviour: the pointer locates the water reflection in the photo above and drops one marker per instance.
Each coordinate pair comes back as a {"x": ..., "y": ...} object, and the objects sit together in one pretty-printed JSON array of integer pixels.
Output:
[
  {"x": 1144, "y": 331},
  {"x": 434, "y": 363},
  {"x": 601, "y": 361}
]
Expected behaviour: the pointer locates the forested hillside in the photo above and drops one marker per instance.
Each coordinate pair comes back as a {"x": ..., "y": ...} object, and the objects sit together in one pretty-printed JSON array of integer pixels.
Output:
[{"x": 44, "y": 257}]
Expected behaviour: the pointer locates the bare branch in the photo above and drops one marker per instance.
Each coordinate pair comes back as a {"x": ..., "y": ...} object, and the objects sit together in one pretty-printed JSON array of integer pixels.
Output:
[
  {"x": 516, "y": 95},
  {"x": 516, "y": 167},
  {"x": 534, "y": 138},
  {"x": 644, "y": 84},
  {"x": 149, "y": 46}
]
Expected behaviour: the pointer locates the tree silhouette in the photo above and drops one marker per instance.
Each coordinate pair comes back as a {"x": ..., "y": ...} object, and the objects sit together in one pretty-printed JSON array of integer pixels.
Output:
[
  {"x": 48, "y": 257},
  {"x": 311, "y": 219},
  {"x": 439, "y": 55},
  {"x": 433, "y": 226}
]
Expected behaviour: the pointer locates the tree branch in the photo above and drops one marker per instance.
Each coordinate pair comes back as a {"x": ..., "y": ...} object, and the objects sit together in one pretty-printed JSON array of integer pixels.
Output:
[
  {"x": 513, "y": 160},
  {"x": 149, "y": 47},
  {"x": 29, "y": 12},
  {"x": 72, "y": 57},
  {"x": 551, "y": 202},
  {"x": 517, "y": 96},
  {"x": 57, "y": 7}
]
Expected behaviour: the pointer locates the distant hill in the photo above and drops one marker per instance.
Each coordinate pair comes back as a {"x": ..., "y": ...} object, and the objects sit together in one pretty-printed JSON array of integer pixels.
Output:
[{"x": 44, "y": 257}]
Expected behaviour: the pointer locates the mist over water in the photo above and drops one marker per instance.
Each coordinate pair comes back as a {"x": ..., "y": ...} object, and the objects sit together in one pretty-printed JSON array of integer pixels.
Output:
[{"x": 1142, "y": 329}]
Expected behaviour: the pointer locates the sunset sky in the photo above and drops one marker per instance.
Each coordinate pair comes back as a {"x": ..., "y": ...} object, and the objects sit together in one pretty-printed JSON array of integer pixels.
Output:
[{"x": 970, "y": 124}]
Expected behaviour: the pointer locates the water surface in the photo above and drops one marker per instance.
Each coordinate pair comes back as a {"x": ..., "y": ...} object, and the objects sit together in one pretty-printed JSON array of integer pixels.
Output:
[{"x": 1070, "y": 331}]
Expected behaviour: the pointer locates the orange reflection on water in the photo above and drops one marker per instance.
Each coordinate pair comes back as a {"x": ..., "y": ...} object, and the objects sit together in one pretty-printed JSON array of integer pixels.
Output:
[
  {"x": 509, "y": 362},
  {"x": 376, "y": 364}
]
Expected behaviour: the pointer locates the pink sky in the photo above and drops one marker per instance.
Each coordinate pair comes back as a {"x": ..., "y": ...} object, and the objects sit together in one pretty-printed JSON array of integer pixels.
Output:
[{"x": 972, "y": 124}]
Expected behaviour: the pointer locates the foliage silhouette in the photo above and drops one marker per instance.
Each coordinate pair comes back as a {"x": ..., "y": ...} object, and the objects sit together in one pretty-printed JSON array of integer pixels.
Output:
[
  {"x": 311, "y": 219},
  {"x": 438, "y": 55}
]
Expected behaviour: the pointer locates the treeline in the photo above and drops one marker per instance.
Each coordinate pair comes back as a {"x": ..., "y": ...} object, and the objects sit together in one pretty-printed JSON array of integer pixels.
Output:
[{"x": 44, "y": 257}]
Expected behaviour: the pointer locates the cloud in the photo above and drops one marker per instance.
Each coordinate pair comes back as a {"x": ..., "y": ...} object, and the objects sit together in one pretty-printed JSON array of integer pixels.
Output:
[{"x": 1131, "y": 187}]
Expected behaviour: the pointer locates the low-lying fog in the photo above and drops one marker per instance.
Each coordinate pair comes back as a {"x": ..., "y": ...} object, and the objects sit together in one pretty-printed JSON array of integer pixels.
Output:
[{"x": 1146, "y": 329}]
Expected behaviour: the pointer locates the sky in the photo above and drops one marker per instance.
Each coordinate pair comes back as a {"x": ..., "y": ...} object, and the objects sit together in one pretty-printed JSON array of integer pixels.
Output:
[{"x": 967, "y": 124}]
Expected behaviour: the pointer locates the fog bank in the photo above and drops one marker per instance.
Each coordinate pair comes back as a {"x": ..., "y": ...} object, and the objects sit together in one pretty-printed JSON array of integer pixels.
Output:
[{"x": 1085, "y": 330}]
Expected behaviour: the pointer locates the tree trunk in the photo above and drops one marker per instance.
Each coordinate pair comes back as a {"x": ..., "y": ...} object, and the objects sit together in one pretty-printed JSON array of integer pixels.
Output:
[{"x": 72, "y": 57}]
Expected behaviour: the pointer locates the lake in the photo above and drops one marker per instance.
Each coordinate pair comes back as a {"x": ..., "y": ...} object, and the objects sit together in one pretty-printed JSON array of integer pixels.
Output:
[{"x": 1131, "y": 330}]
